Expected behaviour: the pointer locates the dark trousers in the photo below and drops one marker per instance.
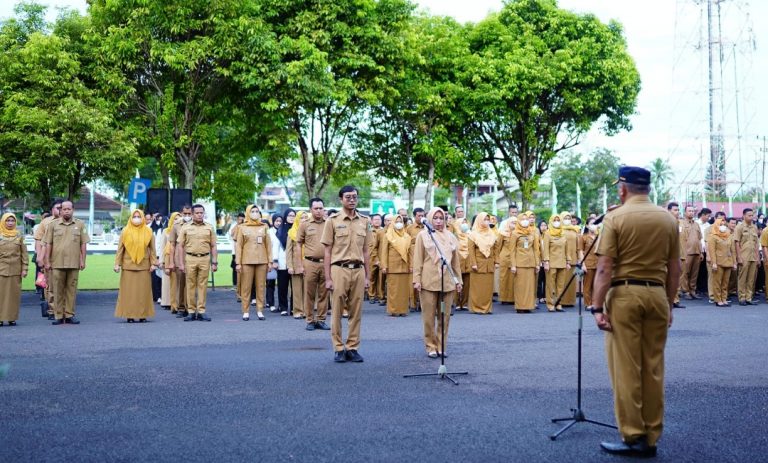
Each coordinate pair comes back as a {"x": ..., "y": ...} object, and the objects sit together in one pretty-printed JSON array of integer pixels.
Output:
[
  {"x": 541, "y": 284},
  {"x": 702, "y": 281},
  {"x": 283, "y": 282},
  {"x": 157, "y": 287},
  {"x": 271, "y": 293}
]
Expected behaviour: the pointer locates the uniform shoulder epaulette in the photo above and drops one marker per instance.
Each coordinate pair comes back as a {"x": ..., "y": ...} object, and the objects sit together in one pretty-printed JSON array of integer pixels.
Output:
[{"x": 335, "y": 214}]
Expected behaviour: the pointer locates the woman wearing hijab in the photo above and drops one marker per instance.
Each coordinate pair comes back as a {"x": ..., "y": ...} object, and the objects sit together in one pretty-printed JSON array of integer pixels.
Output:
[
  {"x": 571, "y": 232},
  {"x": 156, "y": 225},
  {"x": 461, "y": 230},
  {"x": 135, "y": 257},
  {"x": 590, "y": 260},
  {"x": 294, "y": 257},
  {"x": 721, "y": 256},
  {"x": 541, "y": 275},
  {"x": 277, "y": 222},
  {"x": 523, "y": 262},
  {"x": 483, "y": 259},
  {"x": 14, "y": 263},
  {"x": 556, "y": 262},
  {"x": 164, "y": 245},
  {"x": 427, "y": 280},
  {"x": 506, "y": 277},
  {"x": 279, "y": 253},
  {"x": 395, "y": 261},
  {"x": 253, "y": 256}
]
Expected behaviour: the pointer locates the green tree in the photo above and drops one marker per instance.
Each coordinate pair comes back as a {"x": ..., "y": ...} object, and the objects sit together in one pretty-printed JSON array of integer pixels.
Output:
[
  {"x": 661, "y": 176},
  {"x": 600, "y": 169},
  {"x": 538, "y": 79}
]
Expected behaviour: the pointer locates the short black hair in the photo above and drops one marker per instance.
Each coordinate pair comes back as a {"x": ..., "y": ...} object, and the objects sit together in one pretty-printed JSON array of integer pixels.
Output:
[
  {"x": 197, "y": 206},
  {"x": 457, "y": 208},
  {"x": 719, "y": 214},
  {"x": 705, "y": 210},
  {"x": 744, "y": 212},
  {"x": 316, "y": 199},
  {"x": 732, "y": 218},
  {"x": 512, "y": 205},
  {"x": 332, "y": 211},
  {"x": 671, "y": 205},
  {"x": 347, "y": 189},
  {"x": 417, "y": 210},
  {"x": 186, "y": 206},
  {"x": 73, "y": 203},
  {"x": 242, "y": 214},
  {"x": 55, "y": 202}
]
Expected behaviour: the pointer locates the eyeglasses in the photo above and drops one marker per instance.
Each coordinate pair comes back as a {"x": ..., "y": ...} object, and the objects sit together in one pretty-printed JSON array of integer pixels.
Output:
[{"x": 350, "y": 197}]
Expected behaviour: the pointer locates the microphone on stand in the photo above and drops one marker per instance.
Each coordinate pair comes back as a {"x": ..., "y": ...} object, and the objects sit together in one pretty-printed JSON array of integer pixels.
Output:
[{"x": 427, "y": 225}]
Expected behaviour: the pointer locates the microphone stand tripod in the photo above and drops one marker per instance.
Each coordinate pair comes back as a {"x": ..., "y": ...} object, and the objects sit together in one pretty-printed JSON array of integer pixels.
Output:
[
  {"x": 577, "y": 415},
  {"x": 442, "y": 371}
]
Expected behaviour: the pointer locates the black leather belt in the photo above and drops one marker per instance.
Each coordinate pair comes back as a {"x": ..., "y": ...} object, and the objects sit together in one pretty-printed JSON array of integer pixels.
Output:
[
  {"x": 312, "y": 259},
  {"x": 349, "y": 264},
  {"x": 635, "y": 283},
  {"x": 198, "y": 255}
]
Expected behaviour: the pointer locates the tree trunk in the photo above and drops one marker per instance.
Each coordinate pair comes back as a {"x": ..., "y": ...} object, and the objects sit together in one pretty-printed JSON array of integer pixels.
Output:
[
  {"x": 411, "y": 197},
  {"x": 430, "y": 182}
]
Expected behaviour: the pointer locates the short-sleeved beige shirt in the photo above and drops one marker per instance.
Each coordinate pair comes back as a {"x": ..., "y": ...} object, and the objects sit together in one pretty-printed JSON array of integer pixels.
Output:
[
  {"x": 65, "y": 239},
  {"x": 40, "y": 232},
  {"x": 746, "y": 236},
  {"x": 197, "y": 238},
  {"x": 348, "y": 237},
  {"x": 309, "y": 236}
]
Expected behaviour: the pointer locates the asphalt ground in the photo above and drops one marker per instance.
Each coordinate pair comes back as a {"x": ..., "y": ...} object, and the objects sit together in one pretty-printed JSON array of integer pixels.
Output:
[{"x": 167, "y": 390}]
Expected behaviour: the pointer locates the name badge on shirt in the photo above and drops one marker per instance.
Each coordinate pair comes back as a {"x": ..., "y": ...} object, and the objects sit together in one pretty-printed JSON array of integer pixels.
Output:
[
  {"x": 681, "y": 228},
  {"x": 525, "y": 244},
  {"x": 259, "y": 240}
]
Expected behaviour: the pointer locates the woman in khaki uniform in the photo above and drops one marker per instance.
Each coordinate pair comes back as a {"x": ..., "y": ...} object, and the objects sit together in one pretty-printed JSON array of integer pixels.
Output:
[
  {"x": 506, "y": 277},
  {"x": 571, "y": 232},
  {"x": 14, "y": 262},
  {"x": 523, "y": 262},
  {"x": 483, "y": 259},
  {"x": 254, "y": 254},
  {"x": 427, "y": 280},
  {"x": 590, "y": 261},
  {"x": 395, "y": 261},
  {"x": 722, "y": 260},
  {"x": 136, "y": 258},
  {"x": 293, "y": 259},
  {"x": 556, "y": 263},
  {"x": 461, "y": 230},
  {"x": 165, "y": 260}
]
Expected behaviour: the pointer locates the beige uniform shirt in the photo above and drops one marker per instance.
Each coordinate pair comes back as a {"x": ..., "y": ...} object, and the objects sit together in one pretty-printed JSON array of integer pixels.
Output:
[
  {"x": 571, "y": 246},
  {"x": 373, "y": 247},
  {"x": 348, "y": 237},
  {"x": 65, "y": 239},
  {"x": 722, "y": 251},
  {"x": 13, "y": 256},
  {"x": 40, "y": 232},
  {"x": 427, "y": 272},
  {"x": 525, "y": 251},
  {"x": 123, "y": 259},
  {"x": 173, "y": 237},
  {"x": 253, "y": 245},
  {"x": 590, "y": 260},
  {"x": 391, "y": 260},
  {"x": 478, "y": 259},
  {"x": 746, "y": 235},
  {"x": 553, "y": 250},
  {"x": 309, "y": 236},
  {"x": 197, "y": 238},
  {"x": 641, "y": 238},
  {"x": 690, "y": 237}
]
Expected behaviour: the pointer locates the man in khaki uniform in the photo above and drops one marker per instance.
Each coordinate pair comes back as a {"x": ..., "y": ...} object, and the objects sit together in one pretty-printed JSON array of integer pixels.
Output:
[
  {"x": 178, "y": 279},
  {"x": 414, "y": 229},
  {"x": 674, "y": 209},
  {"x": 747, "y": 257},
  {"x": 308, "y": 237},
  {"x": 690, "y": 237},
  {"x": 637, "y": 276},
  {"x": 764, "y": 244},
  {"x": 197, "y": 253},
  {"x": 346, "y": 238},
  {"x": 47, "y": 304},
  {"x": 65, "y": 248},
  {"x": 374, "y": 286},
  {"x": 710, "y": 279}
]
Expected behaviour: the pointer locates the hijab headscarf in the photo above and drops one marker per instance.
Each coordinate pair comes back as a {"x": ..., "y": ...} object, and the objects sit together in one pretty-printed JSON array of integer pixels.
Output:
[
  {"x": 156, "y": 226},
  {"x": 715, "y": 228},
  {"x": 462, "y": 237},
  {"x": 552, "y": 231},
  {"x": 572, "y": 226},
  {"x": 171, "y": 223},
  {"x": 399, "y": 239},
  {"x": 294, "y": 230},
  {"x": 282, "y": 233},
  {"x": 444, "y": 238},
  {"x": 482, "y": 235},
  {"x": 136, "y": 238},
  {"x": 249, "y": 222},
  {"x": 9, "y": 232},
  {"x": 507, "y": 226},
  {"x": 519, "y": 229}
]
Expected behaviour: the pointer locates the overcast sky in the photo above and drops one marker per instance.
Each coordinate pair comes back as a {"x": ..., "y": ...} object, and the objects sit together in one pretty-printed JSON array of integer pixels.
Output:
[{"x": 672, "y": 110}]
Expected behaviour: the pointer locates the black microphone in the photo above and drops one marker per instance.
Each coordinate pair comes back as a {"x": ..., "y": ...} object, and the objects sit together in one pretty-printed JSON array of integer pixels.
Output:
[
  {"x": 426, "y": 224},
  {"x": 599, "y": 219}
]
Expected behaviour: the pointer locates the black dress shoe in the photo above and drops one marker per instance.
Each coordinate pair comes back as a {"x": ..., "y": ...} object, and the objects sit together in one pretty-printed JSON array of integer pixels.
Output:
[
  {"x": 310, "y": 327},
  {"x": 51, "y": 317},
  {"x": 743, "y": 303},
  {"x": 340, "y": 357},
  {"x": 203, "y": 317},
  {"x": 12, "y": 323},
  {"x": 59, "y": 321},
  {"x": 142, "y": 320},
  {"x": 131, "y": 320},
  {"x": 191, "y": 317},
  {"x": 383, "y": 303},
  {"x": 72, "y": 321},
  {"x": 181, "y": 314},
  {"x": 750, "y": 302},
  {"x": 638, "y": 449},
  {"x": 678, "y": 305},
  {"x": 353, "y": 356},
  {"x": 322, "y": 326}
]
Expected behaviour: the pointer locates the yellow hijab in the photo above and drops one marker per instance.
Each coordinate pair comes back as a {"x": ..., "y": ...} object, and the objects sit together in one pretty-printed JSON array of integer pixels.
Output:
[
  {"x": 555, "y": 232},
  {"x": 171, "y": 223},
  {"x": 572, "y": 227},
  {"x": 715, "y": 228},
  {"x": 136, "y": 238},
  {"x": 462, "y": 237},
  {"x": 9, "y": 232},
  {"x": 482, "y": 235},
  {"x": 519, "y": 229},
  {"x": 508, "y": 226},
  {"x": 294, "y": 230},
  {"x": 399, "y": 239},
  {"x": 249, "y": 222},
  {"x": 444, "y": 238}
]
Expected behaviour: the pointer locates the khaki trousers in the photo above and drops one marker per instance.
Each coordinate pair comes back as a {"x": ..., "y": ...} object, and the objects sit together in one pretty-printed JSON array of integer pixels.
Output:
[
  {"x": 635, "y": 353},
  {"x": 250, "y": 275},
  {"x": 374, "y": 282},
  {"x": 506, "y": 285},
  {"x": 587, "y": 284},
  {"x": 197, "y": 269},
  {"x": 555, "y": 285},
  {"x": 347, "y": 296},
  {"x": 431, "y": 309},
  {"x": 65, "y": 289},
  {"x": 178, "y": 293},
  {"x": 747, "y": 275},
  {"x": 690, "y": 273},
  {"x": 525, "y": 288},
  {"x": 315, "y": 292},
  {"x": 464, "y": 296},
  {"x": 297, "y": 295},
  {"x": 719, "y": 283},
  {"x": 49, "y": 291}
]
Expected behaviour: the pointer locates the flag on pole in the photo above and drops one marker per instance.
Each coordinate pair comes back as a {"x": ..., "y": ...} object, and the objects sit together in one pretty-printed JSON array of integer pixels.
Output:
[
  {"x": 554, "y": 198},
  {"x": 605, "y": 198},
  {"x": 578, "y": 201}
]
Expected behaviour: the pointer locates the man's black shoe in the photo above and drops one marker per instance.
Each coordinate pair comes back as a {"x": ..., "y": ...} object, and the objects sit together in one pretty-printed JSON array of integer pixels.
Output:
[
  {"x": 60, "y": 321},
  {"x": 181, "y": 314},
  {"x": 742, "y": 303},
  {"x": 322, "y": 326},
  {"x": 51, "y": 317},
  {"x": 639, "y": 449},
  {"x": 44, "y": 309},
  {"x": 72, "y": 321},
  {"x": 203, "y": 317},
  {"x": 310, "y": 326},
  {"x": 750, "y": 302},
  {"x": 353, "y": 356},
  {"x": 340, "y": 357},
  {"x": 191, "y": 317},
  {"x": 678, "y": 305}
]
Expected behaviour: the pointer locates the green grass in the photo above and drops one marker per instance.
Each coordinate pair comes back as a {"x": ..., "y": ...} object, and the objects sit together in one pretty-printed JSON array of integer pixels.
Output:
[{"x": 99, "y": 273}]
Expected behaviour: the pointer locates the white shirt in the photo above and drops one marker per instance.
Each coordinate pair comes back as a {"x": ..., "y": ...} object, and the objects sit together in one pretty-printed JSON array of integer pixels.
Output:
[{"x": 278, "y": 253}]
